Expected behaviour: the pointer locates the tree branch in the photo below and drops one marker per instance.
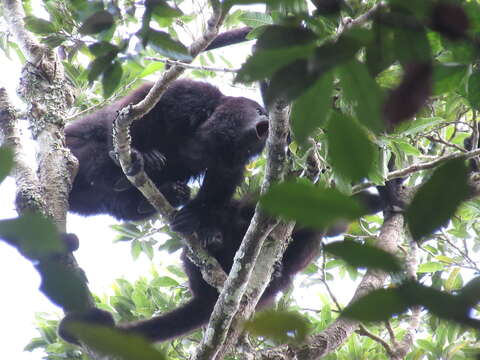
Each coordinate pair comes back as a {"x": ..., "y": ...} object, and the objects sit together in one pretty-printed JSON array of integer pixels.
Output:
[
  {"x": 190, "y": 66},
  {"x": 227, "y": 316}
]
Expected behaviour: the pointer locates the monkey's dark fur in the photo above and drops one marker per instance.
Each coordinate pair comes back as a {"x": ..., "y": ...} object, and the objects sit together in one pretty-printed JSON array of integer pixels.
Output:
[
  {"x": 194, "y": 129},
  {"x": 232, "y": 222}
]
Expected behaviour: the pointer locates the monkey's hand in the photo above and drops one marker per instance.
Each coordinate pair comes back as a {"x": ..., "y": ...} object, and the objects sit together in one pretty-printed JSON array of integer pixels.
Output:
[
  {"x": 92, "y": 316},
  {"x": 152, "y": 160},
  {"x": 210, "y": 237}
]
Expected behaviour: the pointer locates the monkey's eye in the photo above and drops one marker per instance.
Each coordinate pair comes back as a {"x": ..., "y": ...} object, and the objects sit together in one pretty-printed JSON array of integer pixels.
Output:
[{"x": 259, "y": 111}]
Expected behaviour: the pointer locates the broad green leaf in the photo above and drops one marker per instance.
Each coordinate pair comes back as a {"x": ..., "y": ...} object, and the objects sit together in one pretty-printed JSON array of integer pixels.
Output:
[
  {"x": 102, "y": 48},
  {"x": 418, "y": 125},
  {"x": 264, "y": 63},
  {"x": 110, "y": 341},
  {"x": 6, "y": 162},
  {"x": 378, "y": 305},
  {"x": 411, "y": 45},
  {"x": 39, "y": 26},
  {"x": 101, "y": 20},
  {"x": 312, "y": 206},
  {"x": 151, "y": 68},
  {"x": 279, "y": 36},
  {"x": 290, "y": 82},
  {"x": 163, "y": 43},
  {"x": 447, "y": 77},
  {"x": 362, "y": 91},
  {"x": 454, "y": 280},
  {"x": 165, "y": 281},
  {"x": 380, "y": 53},
  {"x": 161, "y": 9},
  {"x": 310, "y": 110},
  {"x": 111, "y": 79},
  {"x": 359, "y": 255},
  {"x": 33, "y": 235},
  {"x": 255, "y": 19},
  {"x": 280, "y": 326},
  {"x": 473, "y": 90},
  {"x": 99, "y": 65},
  {"x": 430, "y": 267},
  {"x": 63, "y": 285},
  {"x": 437, "y": 200},
  {"x": 351, "y": 153}
]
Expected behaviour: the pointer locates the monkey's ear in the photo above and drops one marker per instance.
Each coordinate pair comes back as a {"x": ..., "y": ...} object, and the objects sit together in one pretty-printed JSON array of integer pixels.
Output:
[{"x": 92, "y": 316}]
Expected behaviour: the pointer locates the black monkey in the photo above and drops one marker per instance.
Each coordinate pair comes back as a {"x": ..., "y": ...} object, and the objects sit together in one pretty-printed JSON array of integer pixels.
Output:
[
  {"x": 193, "y": 129},
  {"x": 232, "y": 221}
]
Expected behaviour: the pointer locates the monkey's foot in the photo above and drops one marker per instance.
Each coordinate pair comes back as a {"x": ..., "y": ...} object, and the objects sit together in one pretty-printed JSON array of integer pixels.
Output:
[
  {"x": 177, "y": 193},
  {"x": 186, "y": 220},
  {"x": 210, "y": 238},
  {"x": 154, "y": 160}
]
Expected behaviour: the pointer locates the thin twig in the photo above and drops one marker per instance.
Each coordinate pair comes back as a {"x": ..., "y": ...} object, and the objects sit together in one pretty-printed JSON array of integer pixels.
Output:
[{"x": 190, "y": 66}]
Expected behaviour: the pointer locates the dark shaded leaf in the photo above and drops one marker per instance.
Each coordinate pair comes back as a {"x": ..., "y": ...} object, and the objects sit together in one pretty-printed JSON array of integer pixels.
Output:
[
  {"x": 63, "y": 285},
  {"x": 362, "y": 90},
  {"x": 101, "y": 20},
  {"x": 438, "y": 199},
  {"x": 310, "y": 110},
  {"x": 6, "y": 162},
  {"x": 111, "y": 79},
  {"x": 410, "y": 95},
  {"x": 39, "y": 26},
  {"x": 380, "y": 53},
  {"x": 264, "y": 63},
  {"x": 310, "y": 205},
  {"x": 33, "y": 235},
  {"x": 162, "y": 9},
  {"x": 278, "y": 36},
  {"x": 359, "y": 255},
  {"x": 350, "y": 151},
  {"x": 473, "y": 90},
  {"x": 163, "y": 43},
  {"x": 378, "y": 305},
  {"x": 109, "y": 341},
  {"x": 99, "y": 65},
  {"x": 280, "y": 326},
  {"x": 102, "y": 48},
  {"x": 449, "y": 20},
  {"x": 412, "y": 46},
  {"x": 290, "y": 81}
]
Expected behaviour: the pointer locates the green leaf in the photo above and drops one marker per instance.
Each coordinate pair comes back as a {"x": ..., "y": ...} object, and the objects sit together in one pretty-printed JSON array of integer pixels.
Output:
[
  {"x": 163, "y": 43},
  {"x": 33, "y": 235},
  {"x": 63, "y": 285},
  {"x": 101, "y": 20},
  {"x": 161, "y": 9},
  {"x": 99, "y": 65},
  {"x": 278, "y": 36},
  {"x": 359, "y": 255},
  {"x": 39, "y": 26},
  {"x": 6, "y": 162},
  {"x": 165, "y": 281},
  {"x": 111, "y": 79},
  {"x": 447, "y": 77},
  {"x": 362, "y": 91},
  {"x": 309, "y": 111},
  {"x": 350, "y": 151},
  {"x": 102, "y": 48},
  {"x": 264, "y": 63},
  {"x": 473, "y": 90},
  {"x": 430, "y": 267},
  {"x": 109, "y": 341},
  {"x": 255, "y": 19},
  {"x": 437, "y": 200},
  {"x": 312, "y": 206},
  {"x": 380, "y": 53},
  {"x": 280, "y": 326},
  {"x": 411, "y": 45},
  {"x": 378, "y": 305},
  {"x": 418, "y": 125}
]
